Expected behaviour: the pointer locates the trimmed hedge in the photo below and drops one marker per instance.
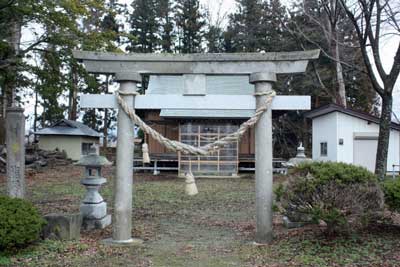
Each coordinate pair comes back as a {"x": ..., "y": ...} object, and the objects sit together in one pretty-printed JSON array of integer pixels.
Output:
[
  {"x": 391, "y": 188},
  {"x": 341, "y": 173},
  {"x": 344, "y": 196},
  {"x": 20, "y": 223}
]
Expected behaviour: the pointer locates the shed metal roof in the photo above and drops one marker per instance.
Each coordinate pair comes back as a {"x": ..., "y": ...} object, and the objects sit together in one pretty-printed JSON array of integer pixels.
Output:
[
  {"x": 321, "y": 111},
  {"x": 68, "y": 127}
]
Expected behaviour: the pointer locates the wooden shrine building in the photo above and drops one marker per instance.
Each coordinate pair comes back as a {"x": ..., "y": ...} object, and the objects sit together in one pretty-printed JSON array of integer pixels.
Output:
[
  {"x": 197, "y": 99},
  {"x": 199, "y": 127}
]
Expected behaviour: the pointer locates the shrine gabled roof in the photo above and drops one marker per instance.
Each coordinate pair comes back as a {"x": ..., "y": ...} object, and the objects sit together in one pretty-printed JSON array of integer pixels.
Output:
[
  {"x": 68, "y": 127},
  {"x": 215, "y": 85},
  {"x": 211, "y": 113}
]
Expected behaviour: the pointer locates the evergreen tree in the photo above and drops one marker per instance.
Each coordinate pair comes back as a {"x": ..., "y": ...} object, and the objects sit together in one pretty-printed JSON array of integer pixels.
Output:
[
  {"x": 214, "y": 34},
  {"x": 274, "y": 18},
  {"x": 109, "y": 24},
  {"x": 53, "y": 70},
  {"x": 257, "y": 26},
  {"x": 215, "y": 39},
  {"x": 166, "y": 25},
  {"x": 144, "y": 27},
  {"x": 50, "y": 87},
  {"x": 103, "y": 35},
  {"x": 190, "y": 26},
  {"x": 245, "y": 27}
]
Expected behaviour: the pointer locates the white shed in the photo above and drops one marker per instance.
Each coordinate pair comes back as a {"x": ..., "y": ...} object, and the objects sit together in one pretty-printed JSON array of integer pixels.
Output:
[{"x": 344, "y": 135}]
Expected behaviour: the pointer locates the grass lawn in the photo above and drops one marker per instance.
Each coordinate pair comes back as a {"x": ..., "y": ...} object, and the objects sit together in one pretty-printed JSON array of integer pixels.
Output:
[{"x": 214, "y": 228}]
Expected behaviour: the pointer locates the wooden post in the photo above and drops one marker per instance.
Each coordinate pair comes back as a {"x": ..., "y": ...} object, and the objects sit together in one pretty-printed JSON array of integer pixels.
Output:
[
  {"x": 263, "y": 159},
  {"x": 15, "y": 140},
  {"x": 123, "y": 182}
]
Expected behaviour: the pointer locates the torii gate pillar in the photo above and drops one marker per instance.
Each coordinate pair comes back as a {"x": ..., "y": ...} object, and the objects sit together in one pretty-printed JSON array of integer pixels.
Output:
[
  {"x": 123, "y": 181},
  {"x": 263, "y": 82}
]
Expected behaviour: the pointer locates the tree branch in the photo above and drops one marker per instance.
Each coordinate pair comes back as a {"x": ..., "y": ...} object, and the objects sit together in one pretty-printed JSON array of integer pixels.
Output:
[
  {"x": 323, "y": 50},
  {"x": 10, "y": 2},
  {"x": 362, "y": 39},
  {"x": 394, "y": 72},
  {"x": 42, "y": 39}
]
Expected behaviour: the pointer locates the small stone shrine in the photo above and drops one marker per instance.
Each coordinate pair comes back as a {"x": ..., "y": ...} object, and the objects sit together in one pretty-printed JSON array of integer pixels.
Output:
[
  {"x": 300, "y": 158},
  {"x": 93, "y": 207}
]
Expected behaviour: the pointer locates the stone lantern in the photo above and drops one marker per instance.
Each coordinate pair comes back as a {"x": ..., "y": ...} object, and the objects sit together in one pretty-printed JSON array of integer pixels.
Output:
[
  {"x": 300, "y": 158},
  {"x": 93, "y": 207}
]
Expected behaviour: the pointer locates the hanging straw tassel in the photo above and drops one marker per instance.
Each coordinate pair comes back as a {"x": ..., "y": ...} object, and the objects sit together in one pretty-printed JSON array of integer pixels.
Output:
[
  {"x": 191, "y": 188},
  {"x": 145, "y": 153}
]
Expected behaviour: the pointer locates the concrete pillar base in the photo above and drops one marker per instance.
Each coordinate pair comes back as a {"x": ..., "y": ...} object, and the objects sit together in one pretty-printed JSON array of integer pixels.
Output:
[
  {"x": 122, "y": 243},
  {"x": 264, "y": 240},
  {"x": 261, "y": 244}
]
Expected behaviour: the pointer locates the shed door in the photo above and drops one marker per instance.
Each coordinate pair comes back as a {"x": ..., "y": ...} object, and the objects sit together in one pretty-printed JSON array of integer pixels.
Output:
[{"x": 365, "y": 152}]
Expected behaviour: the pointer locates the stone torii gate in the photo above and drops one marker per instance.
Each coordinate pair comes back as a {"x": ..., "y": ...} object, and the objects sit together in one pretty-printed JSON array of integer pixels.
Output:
[{"x": 261, "y": 68}]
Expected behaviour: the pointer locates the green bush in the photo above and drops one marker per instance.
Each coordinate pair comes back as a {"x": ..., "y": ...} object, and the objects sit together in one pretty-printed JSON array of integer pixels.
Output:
[
  {"x": 341, "y": 173},
  {"x": 391, "y": 188},
  {"x": 20, "y": 223},
  {"x": 344, "y": 196}
]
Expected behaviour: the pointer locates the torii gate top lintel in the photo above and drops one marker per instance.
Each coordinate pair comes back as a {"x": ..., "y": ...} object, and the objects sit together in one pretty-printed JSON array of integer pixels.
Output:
[{"x": 210, "y": 63}]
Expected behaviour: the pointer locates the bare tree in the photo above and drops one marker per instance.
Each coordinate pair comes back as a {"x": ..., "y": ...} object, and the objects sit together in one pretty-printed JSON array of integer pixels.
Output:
[
  {"x": 373, "y": 21},
  {"x": 329, "y": 23},
  {"x": 328, "y": 16},
  {"x": 215, "y": 18}
]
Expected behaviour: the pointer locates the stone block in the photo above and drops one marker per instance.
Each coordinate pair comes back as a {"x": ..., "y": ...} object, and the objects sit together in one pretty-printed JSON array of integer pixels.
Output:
[
  {"x": 90, "y": 224},
  {"x": 93, "y": 211},
  {"x": 62, "y": 226},
  {"x": 289, "y": 224}
]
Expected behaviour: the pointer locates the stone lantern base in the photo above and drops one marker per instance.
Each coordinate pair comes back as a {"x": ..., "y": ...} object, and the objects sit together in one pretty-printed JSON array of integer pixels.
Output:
[
  {"x": 90, "y": 224},
  {"x": 93, "y": 207}
]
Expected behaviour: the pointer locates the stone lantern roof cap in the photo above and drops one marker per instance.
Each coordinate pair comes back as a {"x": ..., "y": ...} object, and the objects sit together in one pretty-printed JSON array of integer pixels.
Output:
[{"x": 93, "y": 160}]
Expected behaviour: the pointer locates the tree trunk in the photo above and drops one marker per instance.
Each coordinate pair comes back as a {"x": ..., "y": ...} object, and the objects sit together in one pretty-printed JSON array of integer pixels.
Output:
[
  {"x": 341, "y": 89},
  {"x": 35, "y": 114},
  {"x": 384, "y": 135},
  {"x": 340, "y": 79},
  {"x": 73, "y": 95},
  {"x": 105, "y": 129},
  {"x": 15, "y": 43},
  {"x": 332, "y": 37}
]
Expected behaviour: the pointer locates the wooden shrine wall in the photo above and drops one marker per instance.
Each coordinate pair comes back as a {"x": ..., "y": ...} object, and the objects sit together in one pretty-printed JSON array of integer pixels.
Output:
[{"x": 170, "y": 129}]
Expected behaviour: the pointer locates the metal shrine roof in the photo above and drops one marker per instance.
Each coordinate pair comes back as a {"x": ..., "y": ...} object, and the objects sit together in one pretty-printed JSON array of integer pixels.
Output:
[
  {"x": 214, "y": 85},
  {"x": 68, "y": 127},
  {"x": 211, "y": 113}
]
